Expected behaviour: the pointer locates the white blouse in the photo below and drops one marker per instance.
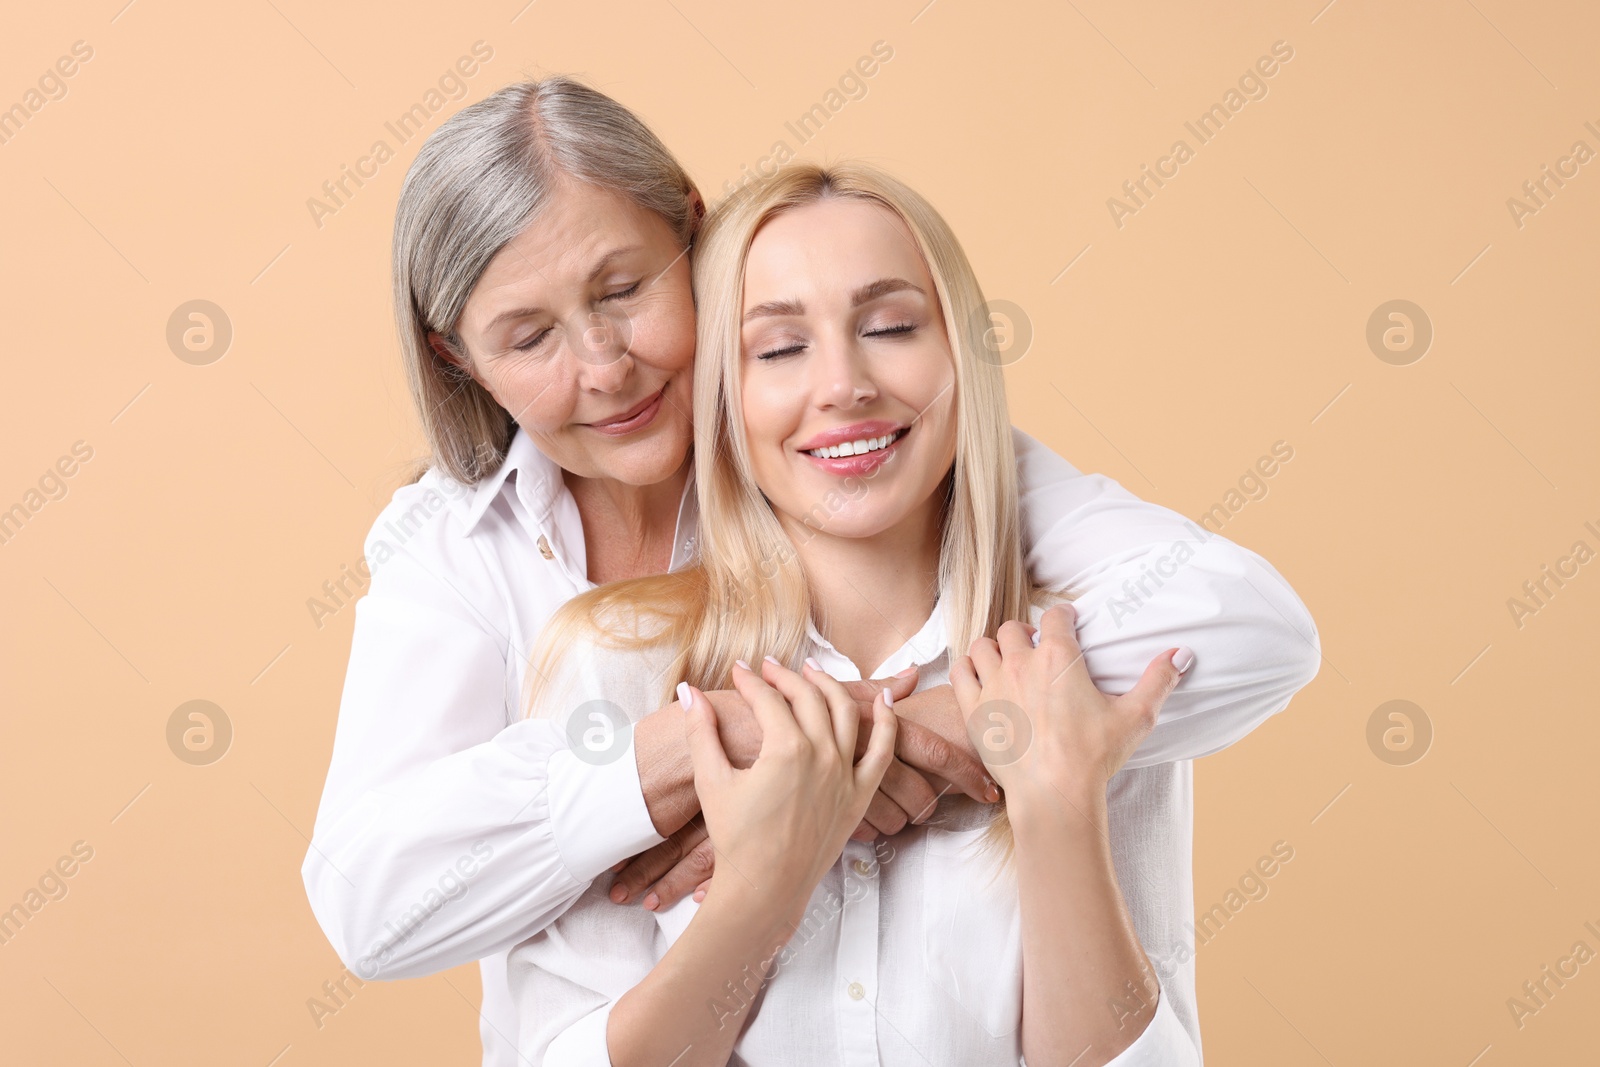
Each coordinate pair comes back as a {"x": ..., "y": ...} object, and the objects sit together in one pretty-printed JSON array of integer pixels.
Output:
[
  {"x": 450, "y": 829},
  {"x": 911, "y": 950}
]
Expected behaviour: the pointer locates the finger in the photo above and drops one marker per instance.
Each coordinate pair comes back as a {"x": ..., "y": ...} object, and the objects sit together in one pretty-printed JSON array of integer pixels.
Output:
[
  {"x": 910, "y": 791},
  {"x": 841, "y": 708},
  {"x": 771, "y": 710},
  {"x": 705, "y": 742},
  {"x": 1059, "y": 641},
  {"x": 1157, "y": 682},
  {"x": 927, "y": 751},
  {"x": 964, "y": 680},
  {"x": 1013, "y": 638},
  {"x": 884, "y": 816},
  {"x": 806, "y": 703},
  {"x": 880, "y": 746},
  {"x": 700, "y": 890},
  {"x": 985, "y": 656},
  {"x": 679, "y": 882},
  {"x": 644, "y": 869}
]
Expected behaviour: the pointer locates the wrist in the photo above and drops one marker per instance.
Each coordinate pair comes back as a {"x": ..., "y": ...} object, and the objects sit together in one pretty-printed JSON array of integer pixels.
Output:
[{"x": 1050, "y": 809}]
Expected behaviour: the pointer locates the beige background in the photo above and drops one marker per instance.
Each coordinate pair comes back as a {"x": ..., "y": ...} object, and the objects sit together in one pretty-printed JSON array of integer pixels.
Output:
[{"x": 1228, "y": 313}]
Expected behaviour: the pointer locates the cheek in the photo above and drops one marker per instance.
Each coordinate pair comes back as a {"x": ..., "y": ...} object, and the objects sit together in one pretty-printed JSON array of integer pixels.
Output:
[
  {"x": 535, "y": 392},
  {"x": 663, "y": 331}
]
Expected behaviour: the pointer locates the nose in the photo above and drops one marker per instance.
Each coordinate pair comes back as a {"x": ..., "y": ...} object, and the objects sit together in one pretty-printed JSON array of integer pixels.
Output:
[
  {"x": 842, "y": 373},
  {"x": 599, "y": 347}
]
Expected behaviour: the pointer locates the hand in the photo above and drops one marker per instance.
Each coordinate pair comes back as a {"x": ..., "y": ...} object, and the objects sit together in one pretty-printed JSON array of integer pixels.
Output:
[
  {"x": 934, "y": 759},
  {"x": 1037, "y": 719},
  {"x": 781, "y": 824}
]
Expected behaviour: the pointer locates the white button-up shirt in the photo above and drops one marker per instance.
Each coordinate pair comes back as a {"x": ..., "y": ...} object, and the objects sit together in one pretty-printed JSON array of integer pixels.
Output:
[
  {"x": 451, "y": 829},
  {"x": 911, "y": 950}
]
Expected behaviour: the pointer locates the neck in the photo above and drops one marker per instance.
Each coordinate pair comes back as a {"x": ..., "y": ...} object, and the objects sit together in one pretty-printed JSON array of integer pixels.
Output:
[
  {"x": 628, "y": 529},
  {"x": 874, "y": 592}
]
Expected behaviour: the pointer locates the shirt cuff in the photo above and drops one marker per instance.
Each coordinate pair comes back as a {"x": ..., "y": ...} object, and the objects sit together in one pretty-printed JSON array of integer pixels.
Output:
[
  {"x": 583, "y": 1044},
  {"x": 598, "y": 815}
]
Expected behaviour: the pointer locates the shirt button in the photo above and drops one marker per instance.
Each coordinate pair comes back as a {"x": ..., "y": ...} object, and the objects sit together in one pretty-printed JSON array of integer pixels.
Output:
[
  {"x": 862, "y": 867},
  {"x": 544, "y": 548},
  {"x": 856, "y": 991}
]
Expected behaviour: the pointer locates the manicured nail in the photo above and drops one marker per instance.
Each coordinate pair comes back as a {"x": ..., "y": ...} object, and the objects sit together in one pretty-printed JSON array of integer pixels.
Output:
[
  {"x": 699, "y": 895},
  {"x": 619, "y": 893},
  {"x": 1036, "y": 639},
  {"x": 652, "y": 902},
  {"x": 742, "y": 663},
  {"x": 772, "y": 661},
  {"x": 813, "y": 664},
  {"x": 888, "y": 699},
  {"x": 1183, "y": 659},
  {"x": 683, "y": 695}
]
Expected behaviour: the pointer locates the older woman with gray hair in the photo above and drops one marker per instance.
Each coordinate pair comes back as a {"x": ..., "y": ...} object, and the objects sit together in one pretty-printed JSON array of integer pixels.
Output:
[{"x": 547, "y": 324}]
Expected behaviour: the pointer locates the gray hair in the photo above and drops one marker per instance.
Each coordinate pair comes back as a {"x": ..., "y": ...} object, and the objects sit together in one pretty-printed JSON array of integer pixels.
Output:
[{"x": 475, "y": 185}]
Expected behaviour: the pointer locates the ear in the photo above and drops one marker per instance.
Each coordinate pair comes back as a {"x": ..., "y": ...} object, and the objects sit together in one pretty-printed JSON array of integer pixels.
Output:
[
  {"x": 445, "y": 351},
  {"x": 698, "y": 204}
]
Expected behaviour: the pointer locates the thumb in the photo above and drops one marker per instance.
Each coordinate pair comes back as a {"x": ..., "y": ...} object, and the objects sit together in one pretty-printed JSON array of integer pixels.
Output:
[
  {"x": 1160, "y": 679},
  {"x": 903, "y": 684},
  {"x": 705, "y": 740}
]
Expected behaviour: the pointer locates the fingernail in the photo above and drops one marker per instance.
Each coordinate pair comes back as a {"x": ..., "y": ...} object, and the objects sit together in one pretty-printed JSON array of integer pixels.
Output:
[
  {"x": 699, "y": 895},
  {"x": 619, "y": 893},
  {"x": 652, "y": 902},
  {"x": 683, "y": 695},
  {"x": 1036, "y": 636},
  {"x": 772, "y": 661},
  {"x": 991, "y": 794},
  {"x": 1183, "y": 659},
  {"x": 742, "y": 663},
  {"x": 888, "y": 699},
  {"x": 813, "y": 664}
]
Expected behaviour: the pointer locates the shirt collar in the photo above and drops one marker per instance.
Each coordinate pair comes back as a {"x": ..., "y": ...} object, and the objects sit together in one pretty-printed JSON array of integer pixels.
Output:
[
  {"x": 925, "y": 646},
  {"x": 538, "y": 482}
]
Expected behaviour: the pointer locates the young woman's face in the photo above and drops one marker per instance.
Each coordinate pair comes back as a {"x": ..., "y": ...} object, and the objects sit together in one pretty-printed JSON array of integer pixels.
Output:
[
  {"x": 583, "y": 328},
  {"x": 848, "y": 379}
]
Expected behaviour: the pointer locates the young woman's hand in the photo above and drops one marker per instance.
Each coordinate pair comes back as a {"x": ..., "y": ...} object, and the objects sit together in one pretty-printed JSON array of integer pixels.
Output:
[
  {"x": 1036, "y": 718},
  {"x": 778, "y": 826}
]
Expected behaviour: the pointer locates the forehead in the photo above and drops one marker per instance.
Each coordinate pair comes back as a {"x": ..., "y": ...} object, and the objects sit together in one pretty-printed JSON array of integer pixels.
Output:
[
  {"x": 577, "y": 225},
  {"x": 827, "y": 246}
]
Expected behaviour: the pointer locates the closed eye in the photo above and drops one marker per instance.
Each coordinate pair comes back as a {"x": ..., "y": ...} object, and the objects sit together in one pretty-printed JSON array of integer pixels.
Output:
[
  {"x": 623, "y": 294},
  {"x": 777, "y": 352},
  {"x": 889, "y": 331},
  {"x": 534, "y": 341}
]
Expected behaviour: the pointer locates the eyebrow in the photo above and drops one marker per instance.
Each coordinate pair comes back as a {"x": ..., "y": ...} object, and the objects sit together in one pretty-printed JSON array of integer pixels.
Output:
[
  {"x": 864, "y": 295},
  {"x": 598, "y": 269}
]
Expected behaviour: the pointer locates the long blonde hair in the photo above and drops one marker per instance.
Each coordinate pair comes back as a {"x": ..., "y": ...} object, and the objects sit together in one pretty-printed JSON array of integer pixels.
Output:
[{"x": 748, "y": 596}]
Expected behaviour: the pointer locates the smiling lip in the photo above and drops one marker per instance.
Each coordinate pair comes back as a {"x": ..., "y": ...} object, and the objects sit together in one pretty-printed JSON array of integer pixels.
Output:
[
  {"x": 633, "y": 419},
  {"x": 856, "y": 431},
  {"x": 865, "y": 463}
]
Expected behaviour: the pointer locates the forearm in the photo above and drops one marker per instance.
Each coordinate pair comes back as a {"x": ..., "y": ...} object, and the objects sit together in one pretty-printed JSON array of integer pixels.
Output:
[
  {"x": 1088, "y": 989},
  {"x": 666, "y": 773},
  {"x": 690, "y": 1010}
]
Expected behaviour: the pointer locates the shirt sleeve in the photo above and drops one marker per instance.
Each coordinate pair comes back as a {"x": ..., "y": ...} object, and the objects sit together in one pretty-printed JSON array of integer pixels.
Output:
[
  {"x": 583, "y": 1044},
  {"x": 1144, "y": 579},
  {"x": 1164, "y": 1043},
  {"x": 445, "y": 835}
]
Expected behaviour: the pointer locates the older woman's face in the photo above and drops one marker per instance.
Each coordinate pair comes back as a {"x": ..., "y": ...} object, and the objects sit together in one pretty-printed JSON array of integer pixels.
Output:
[
  {"x": 848, "y": 388},
  {"x": 583, "y": 328}
]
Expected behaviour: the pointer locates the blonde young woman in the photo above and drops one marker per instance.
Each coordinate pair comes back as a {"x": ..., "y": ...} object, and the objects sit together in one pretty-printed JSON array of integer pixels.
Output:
[
  {"x": 542, "y": 249},
  {"x": 836, "y": 306}
]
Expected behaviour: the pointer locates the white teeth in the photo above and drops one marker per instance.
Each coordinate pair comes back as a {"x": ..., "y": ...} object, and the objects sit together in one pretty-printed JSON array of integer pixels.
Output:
[{"x": 853, "y": 448}]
